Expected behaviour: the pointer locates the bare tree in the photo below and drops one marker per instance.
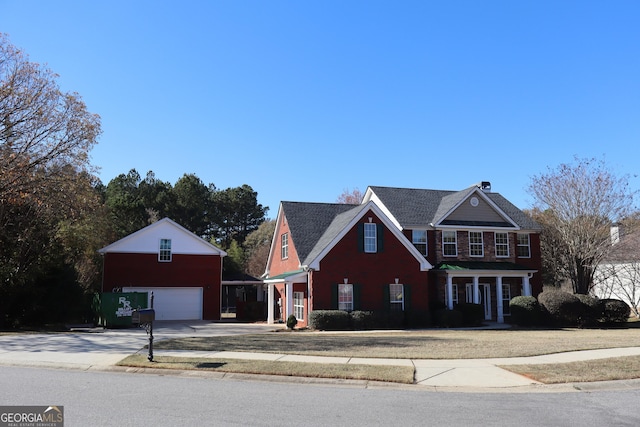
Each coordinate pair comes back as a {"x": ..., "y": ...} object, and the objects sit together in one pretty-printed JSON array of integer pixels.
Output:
[
  {"x": 580, "y": 202},
  {"x": 40, "y": 126},
  {"x": 350, "y": 197}
]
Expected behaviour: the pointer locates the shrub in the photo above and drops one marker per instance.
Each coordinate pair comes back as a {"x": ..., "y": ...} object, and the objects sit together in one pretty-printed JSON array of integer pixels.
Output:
[
  {"x": 292, "y": 321},
  {"x": 525, "y": 311},
  {"x": 363, "y": 320},
  {"x": 329, "y": 320},
  {"x": 592, "y": 309},
  {"x": 614, "y": 311},
  {"x": 449, "y": 318},
  {"x": 562, "y": 308},
  {"x": 418, "y": 318},
  {"x": 472, "y": 314}
]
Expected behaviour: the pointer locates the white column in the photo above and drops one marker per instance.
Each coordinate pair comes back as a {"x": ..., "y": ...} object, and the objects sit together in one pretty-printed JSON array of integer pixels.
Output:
[
  {"x": 526, "y": 286},
  {"x": 270, "y": 302},
  {"x": 476, "y": 290},
  {"x": 449, "y": 292},
  {"x": 499, "y": 299},
  {"x": 289, "y": 300}
]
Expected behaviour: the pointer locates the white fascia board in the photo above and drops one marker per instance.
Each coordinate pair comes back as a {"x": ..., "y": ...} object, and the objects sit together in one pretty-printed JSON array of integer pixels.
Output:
[
  {"x": 490, "y": 273},
  {"x": 374, "y": 198},
  {"x": 371, "y": 205},
  {"x": 486, "y": 198},
  {"x": 273, "y": 240},
  {"x": 146, "y": 240},
  {"x": 294, "y": 278}
]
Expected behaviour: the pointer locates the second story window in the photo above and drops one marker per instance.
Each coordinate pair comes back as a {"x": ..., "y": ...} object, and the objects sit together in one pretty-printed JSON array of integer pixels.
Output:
[
  {"x": 502, "y": 245},
  {"x": 476, "y": 246},
  {"x": 449, "y": 243},
  {"x": 419, "y": 239},
  {"x": 524, "y": 248},
  {"x": 165, "y": 250},
  {"x": 370, "y": 238},
  {"x": 284, "y": 246}
]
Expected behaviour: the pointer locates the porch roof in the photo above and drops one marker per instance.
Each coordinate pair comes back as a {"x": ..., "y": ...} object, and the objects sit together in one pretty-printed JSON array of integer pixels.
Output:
[
  {"x": 481, "y": 265},
  {"x": 283, "y": 276}
]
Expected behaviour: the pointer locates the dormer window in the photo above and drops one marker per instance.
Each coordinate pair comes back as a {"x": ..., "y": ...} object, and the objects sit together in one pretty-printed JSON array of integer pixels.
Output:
[{"x": 164, "y": 255}]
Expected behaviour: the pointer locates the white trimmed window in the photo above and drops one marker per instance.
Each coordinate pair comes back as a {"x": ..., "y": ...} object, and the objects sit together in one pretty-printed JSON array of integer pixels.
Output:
[
  {"x": 476, "y": 246},
  {"x": 502, "y": 245},
  {"x": 524, "y": 247},
  {"x": 165, "y": 250},
  {"x": 370, "y": 238},
  {"x": 284, "y": 246},
  {"x": 506, "y": 297},
  {"x": 396, "y": 296},
  {"x": 449, "y": 243},
  {"x": 298, "y": 305},
  {"x": 419, "y": 240},
  {"x": 345, "y": 297}
]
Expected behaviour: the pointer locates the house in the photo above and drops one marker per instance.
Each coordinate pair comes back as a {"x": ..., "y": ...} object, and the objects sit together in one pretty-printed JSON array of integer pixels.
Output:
[
  {"x": 402, "y": 249},
  {"x": 183, "y": 271},
  {"x": 618, "y": 275}
]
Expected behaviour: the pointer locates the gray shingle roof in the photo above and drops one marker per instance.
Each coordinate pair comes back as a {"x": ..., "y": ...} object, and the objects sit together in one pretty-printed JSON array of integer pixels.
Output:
[
  {"x": 417, "y": 207},
  {"x": 312, "y": 224}
]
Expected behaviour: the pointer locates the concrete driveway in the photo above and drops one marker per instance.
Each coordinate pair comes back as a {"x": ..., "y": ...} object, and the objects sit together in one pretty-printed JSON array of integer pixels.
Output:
[{"x": 98, "y": 348}]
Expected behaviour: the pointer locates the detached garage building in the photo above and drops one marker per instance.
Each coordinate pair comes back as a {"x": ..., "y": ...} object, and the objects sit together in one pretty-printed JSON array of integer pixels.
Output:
[{"x": 183, "y": 271}]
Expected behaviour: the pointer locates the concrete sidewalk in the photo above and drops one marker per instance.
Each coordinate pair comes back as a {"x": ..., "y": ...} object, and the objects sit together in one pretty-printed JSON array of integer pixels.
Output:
[{"x": 458, "y": 373}]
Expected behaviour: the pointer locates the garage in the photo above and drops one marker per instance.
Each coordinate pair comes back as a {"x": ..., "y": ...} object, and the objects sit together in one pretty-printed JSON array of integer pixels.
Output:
[{"x": 174, "y": 303}]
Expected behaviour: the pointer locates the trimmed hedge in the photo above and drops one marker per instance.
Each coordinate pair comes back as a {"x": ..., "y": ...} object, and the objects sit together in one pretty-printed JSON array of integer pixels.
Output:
[
  {"x": 472, "y": 314},
  {"x": 329, "y": 320},
  {"x": 525, "y": 311},
  {"x": 446, "y": 318},
  {"x": 592, "y": 310},
  {"x": 362, "y": 320},
  {"x": 562, "y": 308},
  {"x": 614, "y": 311}
]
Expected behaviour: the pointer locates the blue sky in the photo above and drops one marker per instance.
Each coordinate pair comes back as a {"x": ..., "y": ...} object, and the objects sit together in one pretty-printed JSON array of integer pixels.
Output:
[{"x": 304, "y": 99}]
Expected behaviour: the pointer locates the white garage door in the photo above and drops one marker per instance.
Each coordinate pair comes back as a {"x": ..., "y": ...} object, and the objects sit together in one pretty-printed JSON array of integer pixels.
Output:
[{"x": 174, "y": 303}]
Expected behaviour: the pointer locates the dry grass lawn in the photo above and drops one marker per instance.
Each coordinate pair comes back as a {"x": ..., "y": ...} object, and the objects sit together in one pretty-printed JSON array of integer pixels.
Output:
[
  {"x": 397, "y": 374},
  {"x": 432, "y": 344}
]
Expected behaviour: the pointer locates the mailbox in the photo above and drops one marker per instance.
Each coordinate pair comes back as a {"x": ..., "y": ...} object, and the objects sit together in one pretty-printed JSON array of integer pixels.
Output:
[{"x": 143, "y": 316}]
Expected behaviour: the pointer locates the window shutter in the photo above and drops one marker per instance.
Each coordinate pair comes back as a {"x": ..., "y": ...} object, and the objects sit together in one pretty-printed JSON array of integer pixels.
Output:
[
  {"x": 407, "y": 297},
  {"x": 380, "y": 237},
  {"x": 334, "y": 296},
  {"x": 360, "y": 237},
  {"x": 357, "y": 293},
  {"x": 386, "y": 297}
]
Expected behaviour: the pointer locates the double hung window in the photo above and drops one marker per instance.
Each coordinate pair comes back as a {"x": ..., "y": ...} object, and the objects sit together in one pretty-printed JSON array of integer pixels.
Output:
[
  {"x": 476, "y": 246},
  {"x": 165, "y": 250},
  {"x": 502, "y": 245},
  {"x": 449, "y": 243},
  {"x": 345, "y": 297}
]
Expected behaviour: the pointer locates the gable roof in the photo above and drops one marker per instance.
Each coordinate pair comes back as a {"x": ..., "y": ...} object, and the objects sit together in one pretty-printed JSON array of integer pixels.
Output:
[
  {"x": 317, "y": 227},
  {"x": 308, "y": 222},
  {"x": 146, "y": 240},
  {"x": 411, "y": 207}
]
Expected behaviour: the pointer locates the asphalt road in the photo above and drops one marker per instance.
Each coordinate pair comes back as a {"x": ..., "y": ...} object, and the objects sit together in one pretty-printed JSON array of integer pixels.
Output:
[{"x": 94, "y": 398}]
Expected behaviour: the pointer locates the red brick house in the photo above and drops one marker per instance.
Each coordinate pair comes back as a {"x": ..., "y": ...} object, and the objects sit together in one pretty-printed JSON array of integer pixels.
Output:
[
  {"x": 183, "y": 271},
  {"x": 402, "y": 249}
]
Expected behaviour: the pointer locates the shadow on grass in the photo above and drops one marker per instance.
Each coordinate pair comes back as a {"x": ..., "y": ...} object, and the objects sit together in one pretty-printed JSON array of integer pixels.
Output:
[{"x": 209, "y": 365}]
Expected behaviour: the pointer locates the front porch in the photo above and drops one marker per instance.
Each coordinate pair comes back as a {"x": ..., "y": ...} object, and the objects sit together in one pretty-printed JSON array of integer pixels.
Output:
[{"x": 490, "y": 284}]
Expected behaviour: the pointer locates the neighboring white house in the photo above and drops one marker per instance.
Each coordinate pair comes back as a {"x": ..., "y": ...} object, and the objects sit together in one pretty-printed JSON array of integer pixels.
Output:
[{"x": 618, "y": 276}]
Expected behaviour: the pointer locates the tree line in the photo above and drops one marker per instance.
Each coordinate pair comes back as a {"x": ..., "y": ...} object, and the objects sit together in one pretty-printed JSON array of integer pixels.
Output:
[{"x": 55, "y": 213}]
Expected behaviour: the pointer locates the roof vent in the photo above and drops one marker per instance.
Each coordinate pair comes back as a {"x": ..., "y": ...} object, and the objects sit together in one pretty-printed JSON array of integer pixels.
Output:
[{"x": 484, "y": 186}]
